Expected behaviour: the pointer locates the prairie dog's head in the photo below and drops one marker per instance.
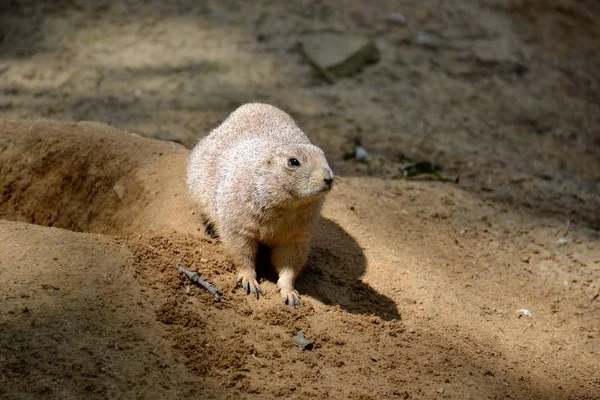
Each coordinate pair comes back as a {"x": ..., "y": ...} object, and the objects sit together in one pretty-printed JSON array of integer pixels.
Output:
[{"x": 301, "y": 170}]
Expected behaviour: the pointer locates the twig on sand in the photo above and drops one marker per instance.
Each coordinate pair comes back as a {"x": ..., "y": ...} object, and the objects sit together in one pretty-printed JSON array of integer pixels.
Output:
[
  {"x": 194, "y": 277},
  {"x": 567, "y": 228},
  {"x": 594, "y": 297}
]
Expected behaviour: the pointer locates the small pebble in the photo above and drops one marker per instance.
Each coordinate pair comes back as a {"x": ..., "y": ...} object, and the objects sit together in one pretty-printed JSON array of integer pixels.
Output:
[
  {"x": 119, "y": 190},
  {"x": 517, "y": 178},
  {"x": 428, "y": 40},
  {"x": 525, "y": 312},
  {"x": 396, "y": 18},
  {"x": 301, "y": 342},
  {"x": 360, "y": 153}
]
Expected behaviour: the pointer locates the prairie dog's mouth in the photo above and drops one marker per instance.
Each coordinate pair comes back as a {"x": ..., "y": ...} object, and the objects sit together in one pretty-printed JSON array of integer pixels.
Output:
[
  {"x": 327, "y": 185},
  {"x": 313, "y": 191},
  {"x": 321, "y": 189}
]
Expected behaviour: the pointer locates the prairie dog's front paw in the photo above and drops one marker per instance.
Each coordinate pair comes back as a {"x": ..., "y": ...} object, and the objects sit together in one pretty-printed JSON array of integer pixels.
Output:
[
  {"x": 249, "y": 282},
  {"x": 290, "y": 297}
]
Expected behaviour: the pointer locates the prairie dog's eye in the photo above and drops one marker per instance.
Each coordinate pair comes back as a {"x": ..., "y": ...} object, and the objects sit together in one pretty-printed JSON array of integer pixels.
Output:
[{"x": 293, "y": 163}]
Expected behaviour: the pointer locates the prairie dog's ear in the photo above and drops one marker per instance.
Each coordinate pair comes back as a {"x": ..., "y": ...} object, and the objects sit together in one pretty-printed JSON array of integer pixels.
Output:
[
  {"x": 272, "y": 157},
  {"x": 268, "y": 161}
]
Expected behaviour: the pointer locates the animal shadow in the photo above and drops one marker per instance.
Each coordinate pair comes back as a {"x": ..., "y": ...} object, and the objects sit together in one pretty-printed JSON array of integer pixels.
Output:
[{"x": 333, "y": 275}]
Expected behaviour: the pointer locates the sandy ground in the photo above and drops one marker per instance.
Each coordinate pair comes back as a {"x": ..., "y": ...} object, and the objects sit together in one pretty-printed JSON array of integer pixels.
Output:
[{"x": 413, "y": 288}]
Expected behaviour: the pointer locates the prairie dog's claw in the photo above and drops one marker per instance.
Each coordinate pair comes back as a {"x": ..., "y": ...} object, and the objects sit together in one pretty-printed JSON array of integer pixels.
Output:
[
  {"x": 249, "y": 283},
  {"x": 290, "y": 297}
]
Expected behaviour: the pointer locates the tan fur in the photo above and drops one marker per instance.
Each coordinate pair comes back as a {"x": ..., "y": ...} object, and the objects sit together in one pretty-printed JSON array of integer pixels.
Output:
[{"x": 247, "y": 190}]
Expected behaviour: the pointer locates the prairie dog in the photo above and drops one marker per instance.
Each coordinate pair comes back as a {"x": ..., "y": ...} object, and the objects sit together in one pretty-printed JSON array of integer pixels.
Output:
[{"x": 258, "y": 180}]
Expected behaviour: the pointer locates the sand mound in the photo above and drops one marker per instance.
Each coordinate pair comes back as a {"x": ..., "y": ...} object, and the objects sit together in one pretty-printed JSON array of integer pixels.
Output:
[
  {"x": 393, "y": 300},
  {"x": 88, "y": 177}
]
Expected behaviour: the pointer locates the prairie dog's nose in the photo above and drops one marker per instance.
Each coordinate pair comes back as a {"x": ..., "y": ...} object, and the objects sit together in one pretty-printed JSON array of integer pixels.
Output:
[{"x": 328, "y": 176}]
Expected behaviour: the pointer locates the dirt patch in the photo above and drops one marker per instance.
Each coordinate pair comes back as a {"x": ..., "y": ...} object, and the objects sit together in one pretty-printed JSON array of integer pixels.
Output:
[
  {"x": 413, "y": 289},
  {"x": 388, "y": 319},
  {"x": 75, "y": 323}
]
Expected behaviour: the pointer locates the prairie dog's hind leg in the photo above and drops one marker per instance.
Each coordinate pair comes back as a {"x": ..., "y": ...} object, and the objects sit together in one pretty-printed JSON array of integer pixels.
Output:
[
  {"x": 210, "y": 231},
  {"x": 288, "y": 260},
  {"x": 209, "y": 228}
]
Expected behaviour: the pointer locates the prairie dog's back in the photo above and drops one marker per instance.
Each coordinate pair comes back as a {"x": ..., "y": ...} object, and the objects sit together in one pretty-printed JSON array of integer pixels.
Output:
[{"x": 256, "y": 120}]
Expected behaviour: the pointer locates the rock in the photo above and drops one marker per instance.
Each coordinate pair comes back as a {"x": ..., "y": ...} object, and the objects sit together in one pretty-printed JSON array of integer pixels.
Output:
[
  {"x": 336, "y": 55},
  {"x": 119, "y": 190},
  {"x": 360, "y": 154},
  {"x": 429, "y": 40},
  {"x": 517, "y": 178},
  {"x": 396, "y": 18},
  {"x": 301, "y": 342},
  {"x": 525, "y": 313}
]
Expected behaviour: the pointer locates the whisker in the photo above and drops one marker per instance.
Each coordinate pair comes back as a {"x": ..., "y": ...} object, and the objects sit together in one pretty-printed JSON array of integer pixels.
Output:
[{"x": 340, "y": 180}]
